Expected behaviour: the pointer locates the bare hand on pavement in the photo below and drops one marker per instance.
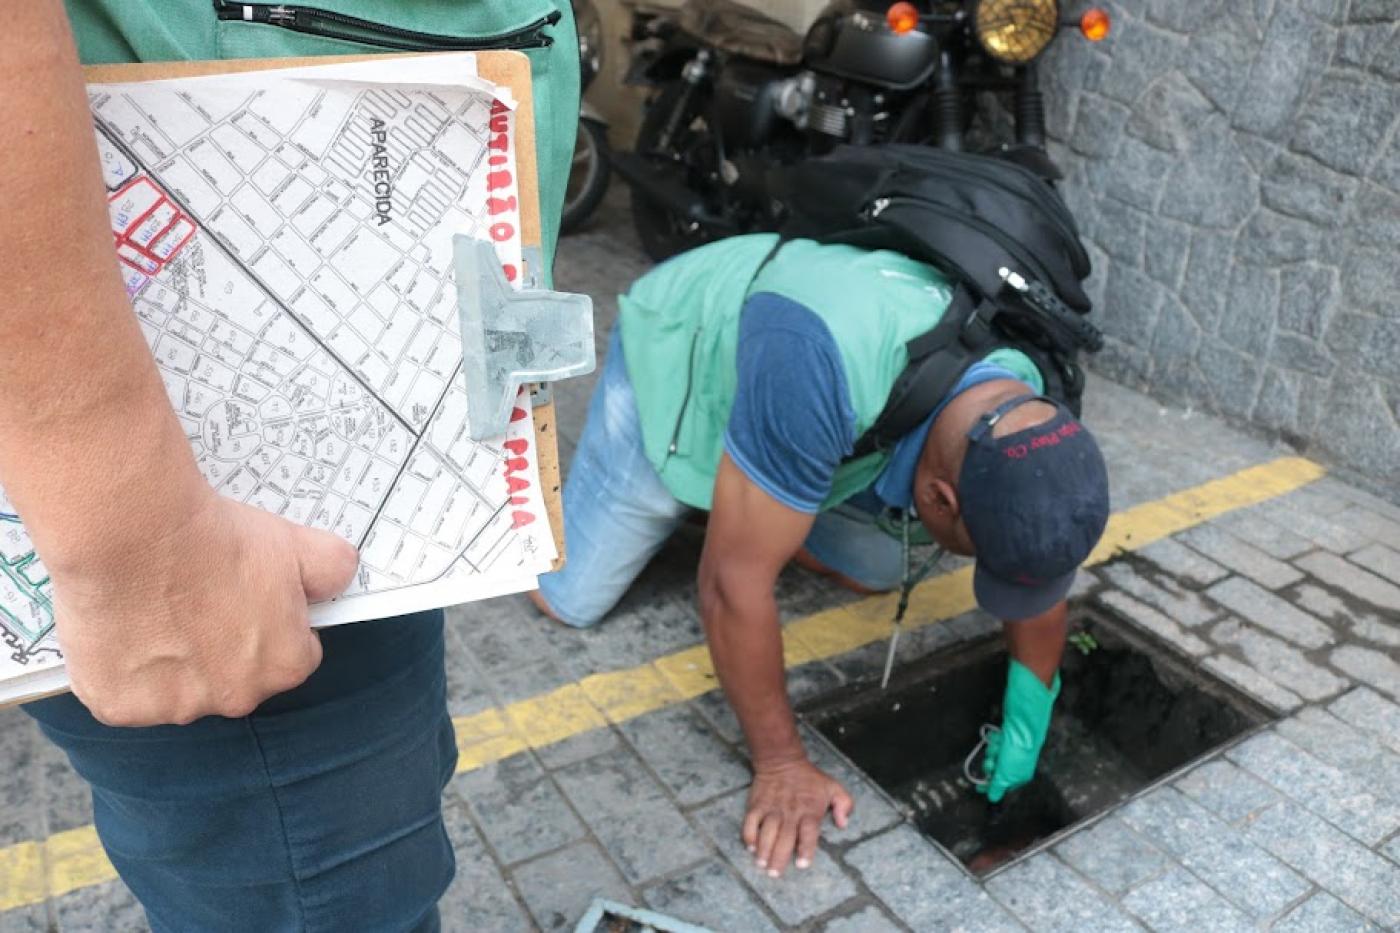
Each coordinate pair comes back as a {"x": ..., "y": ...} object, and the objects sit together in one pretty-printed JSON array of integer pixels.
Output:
[
  {"x": 205, "y": 615},
  {"x": 787, "y": 804}
]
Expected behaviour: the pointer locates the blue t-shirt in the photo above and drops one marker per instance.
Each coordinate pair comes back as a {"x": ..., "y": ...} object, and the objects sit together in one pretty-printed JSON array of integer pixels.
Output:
[{"x": 792, "y": 423}]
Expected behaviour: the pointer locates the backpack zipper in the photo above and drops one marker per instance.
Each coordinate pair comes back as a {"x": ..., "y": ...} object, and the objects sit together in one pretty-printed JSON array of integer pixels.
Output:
[
  {"x": 685, "y": 399},
  {"x": 332, "y": 25}
]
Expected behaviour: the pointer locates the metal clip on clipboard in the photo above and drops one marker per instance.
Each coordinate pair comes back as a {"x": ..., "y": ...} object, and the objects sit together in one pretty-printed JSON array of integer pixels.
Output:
[{"x": 512, "y": 337}]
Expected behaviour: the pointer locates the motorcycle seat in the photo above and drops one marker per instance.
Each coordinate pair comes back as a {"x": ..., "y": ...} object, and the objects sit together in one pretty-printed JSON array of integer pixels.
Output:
[{"x": 741, "y": 30}]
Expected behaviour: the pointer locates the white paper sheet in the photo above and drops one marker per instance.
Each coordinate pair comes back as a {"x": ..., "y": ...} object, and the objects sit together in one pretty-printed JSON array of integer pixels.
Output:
[{"x": 286, "y": 240}]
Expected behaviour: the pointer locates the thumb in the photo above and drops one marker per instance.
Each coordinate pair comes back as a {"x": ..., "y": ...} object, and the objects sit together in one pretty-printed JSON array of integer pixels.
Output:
[
  {"x": 841, "y": 806},
  {"x": 996, "y": 790},
  {"x": 327, "y": 563}
]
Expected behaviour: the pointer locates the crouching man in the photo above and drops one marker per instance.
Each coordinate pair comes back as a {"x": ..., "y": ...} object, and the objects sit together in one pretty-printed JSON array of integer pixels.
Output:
[{"x": 741, "y": 387}]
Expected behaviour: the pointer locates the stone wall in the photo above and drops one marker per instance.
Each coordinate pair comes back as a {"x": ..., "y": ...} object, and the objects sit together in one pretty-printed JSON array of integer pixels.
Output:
[{"x": 1236, "y": 166}]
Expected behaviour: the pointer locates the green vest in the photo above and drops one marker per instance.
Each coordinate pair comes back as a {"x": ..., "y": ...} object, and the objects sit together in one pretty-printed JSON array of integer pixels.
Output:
[
  {"x": 680, "y": 327},
  {"x": 111, "y": 31}
]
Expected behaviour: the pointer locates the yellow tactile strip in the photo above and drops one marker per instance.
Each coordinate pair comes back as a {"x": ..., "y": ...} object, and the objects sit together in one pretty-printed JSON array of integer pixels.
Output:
[{"x": 33, "y": 871}]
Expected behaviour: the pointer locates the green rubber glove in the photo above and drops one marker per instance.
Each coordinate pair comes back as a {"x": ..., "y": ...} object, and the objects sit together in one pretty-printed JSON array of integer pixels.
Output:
[{"x": 1025, "y": 718}]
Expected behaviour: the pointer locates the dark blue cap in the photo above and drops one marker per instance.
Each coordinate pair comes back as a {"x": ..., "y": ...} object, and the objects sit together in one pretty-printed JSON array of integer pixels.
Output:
[{"x": 1035, "y": 504}]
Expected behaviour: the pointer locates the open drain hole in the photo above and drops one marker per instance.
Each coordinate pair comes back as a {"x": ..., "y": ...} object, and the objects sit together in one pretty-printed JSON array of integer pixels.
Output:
[{"x": 1130, "y": 712}]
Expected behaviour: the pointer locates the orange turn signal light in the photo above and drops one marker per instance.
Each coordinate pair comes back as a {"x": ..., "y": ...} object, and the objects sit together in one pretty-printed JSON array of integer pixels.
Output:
[
  {"x": 1095, "y": 24},
  {"x": 903, "y": 18}
]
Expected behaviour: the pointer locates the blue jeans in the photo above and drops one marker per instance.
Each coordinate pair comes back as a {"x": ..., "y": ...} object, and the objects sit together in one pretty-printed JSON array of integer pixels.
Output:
[
  {"x": 618, "y": 513},
  {"x": 321, "y": 811}
]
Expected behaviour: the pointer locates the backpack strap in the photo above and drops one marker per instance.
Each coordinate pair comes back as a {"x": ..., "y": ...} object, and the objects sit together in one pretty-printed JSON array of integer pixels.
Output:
[{"x": 937, "y": 360}]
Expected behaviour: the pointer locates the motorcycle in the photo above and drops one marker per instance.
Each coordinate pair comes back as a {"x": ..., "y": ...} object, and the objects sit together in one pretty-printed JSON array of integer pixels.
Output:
[
  {"x": 590, "y": 173},
  {"x": 735, "y": 93}
]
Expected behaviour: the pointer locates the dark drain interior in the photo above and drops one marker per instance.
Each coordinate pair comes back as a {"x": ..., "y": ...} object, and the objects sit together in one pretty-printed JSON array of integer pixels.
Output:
[{"x": 1129, "y": 713}]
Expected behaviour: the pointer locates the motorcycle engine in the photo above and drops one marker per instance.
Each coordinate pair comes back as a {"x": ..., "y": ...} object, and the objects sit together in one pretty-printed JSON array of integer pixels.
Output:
[{"x": 814, "y": 103}]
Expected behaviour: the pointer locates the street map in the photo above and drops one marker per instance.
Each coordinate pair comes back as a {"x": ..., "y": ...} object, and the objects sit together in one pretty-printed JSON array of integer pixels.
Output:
[{"x": 286, "y": 240}]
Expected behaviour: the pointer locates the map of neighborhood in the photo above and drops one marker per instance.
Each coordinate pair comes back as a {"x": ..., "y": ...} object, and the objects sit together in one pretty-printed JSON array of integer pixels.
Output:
[{"x": 287, "y": 246}]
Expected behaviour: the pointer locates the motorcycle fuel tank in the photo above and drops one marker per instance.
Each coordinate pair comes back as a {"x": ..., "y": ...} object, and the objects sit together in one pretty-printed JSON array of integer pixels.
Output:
[{"x": 851, "y": 40}]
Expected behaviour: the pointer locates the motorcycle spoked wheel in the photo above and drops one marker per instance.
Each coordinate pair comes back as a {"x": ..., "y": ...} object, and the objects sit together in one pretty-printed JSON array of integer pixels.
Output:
[
  {"x": 589, "y": 175},
  {"x": 663, "y": 232}
]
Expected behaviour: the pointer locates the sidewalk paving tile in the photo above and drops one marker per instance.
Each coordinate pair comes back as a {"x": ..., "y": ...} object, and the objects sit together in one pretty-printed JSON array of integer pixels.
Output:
[
  {"x": 1278, "y": 661},
  {"x": 1268, "y": 611},
  {"x": 1263, "y": 535},
  {"x": 1111, "y": 855},
  {"x": 685, "y": 753},
  {"x": 1048, "y": 897},
  {"x": 518, "y": 808},
  {"x": 1183, "y": 563},
  {"x": 1332, "y": 793},
  {"x": 1300, "y": 513},
  {"x": 1241, "y": 556},
  {"x": 1351, "y": 579},
  {"x": 31, "y": 919},
  {"x": 1252, "y": 682},
  {"x": 1214, "y": 850},
  {"x": 1392, "y": 849},
  {"x": 720, "y": 715},
  {"x": 1367, "y": 626},
  {"x": 801, "y": 894},
  {"x": 25, "y": 754},
  {"x": 923, "y": 888},
  {"x": 1376, "y": 668},
  {"x": 579, "y": 747},
  {"x": 663, "y": 626},
  {"x": 1364, "y": 880},
  {"x": 466, "y": 685},
  {"x": 1370, "y": 712},
  {"x": 1255, "y": 881},
  {"x": 1380, "y": 560},
  {"x": 1149, "y": 619},
  {"x": 711, "y": 897},
  {"x": 866, "y": 920},
  {"x": 1183, "y": 606},
  {"x": 503, "y": 634},
  {"x": 630, "y": 815},
  {"x": 559, "y": 887},
  {"x": 1323, "y": 913},
  {"x": 479, "y": 897},
  {"x": 1382, "y": 528},
  {"x": 523, "y": 681},
  {"x": 1179, "y": 902},
  {"x": 99, "y": 909},
  {"x": 1341, "y": 746},
  {"x": 1227, "y": 790}
]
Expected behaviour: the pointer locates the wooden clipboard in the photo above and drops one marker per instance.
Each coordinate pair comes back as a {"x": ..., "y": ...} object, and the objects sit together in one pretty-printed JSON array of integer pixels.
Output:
[{"x": 507, "y": 69}]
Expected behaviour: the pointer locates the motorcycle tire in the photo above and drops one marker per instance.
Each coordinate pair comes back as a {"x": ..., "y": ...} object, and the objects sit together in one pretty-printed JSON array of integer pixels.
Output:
[
  {"x": 663, "y": 232},
  {"x": 589, "y": 176}
]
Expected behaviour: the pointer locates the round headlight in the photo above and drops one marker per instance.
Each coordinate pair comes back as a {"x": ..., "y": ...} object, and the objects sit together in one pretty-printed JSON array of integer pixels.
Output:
[{"x": 1016, "y": 31}]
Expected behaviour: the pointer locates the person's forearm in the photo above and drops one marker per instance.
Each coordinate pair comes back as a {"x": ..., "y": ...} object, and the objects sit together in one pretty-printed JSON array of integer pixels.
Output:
[
  {"x": 746, "y": 645},
  {"x": 85, "y": 425},
  {"x": 1039, "y": 643}
]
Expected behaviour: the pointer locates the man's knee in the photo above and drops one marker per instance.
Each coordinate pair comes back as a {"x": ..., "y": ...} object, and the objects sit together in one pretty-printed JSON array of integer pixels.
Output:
[{"x": 807, "y": 561}]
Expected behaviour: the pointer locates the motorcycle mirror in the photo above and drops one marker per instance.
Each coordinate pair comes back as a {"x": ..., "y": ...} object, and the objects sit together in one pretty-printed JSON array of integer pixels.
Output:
[
  {"x": 1095, "y": 24},
  {"x": 903, "y": 18}
]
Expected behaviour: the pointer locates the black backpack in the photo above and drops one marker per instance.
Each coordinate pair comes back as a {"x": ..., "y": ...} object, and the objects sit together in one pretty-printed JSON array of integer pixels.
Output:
[{"x": 998, "y": 230}]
